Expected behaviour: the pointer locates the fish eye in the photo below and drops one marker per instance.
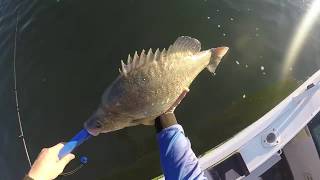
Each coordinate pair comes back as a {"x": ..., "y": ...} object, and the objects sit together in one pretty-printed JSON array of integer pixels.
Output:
[{"x": 98, "y": 125}]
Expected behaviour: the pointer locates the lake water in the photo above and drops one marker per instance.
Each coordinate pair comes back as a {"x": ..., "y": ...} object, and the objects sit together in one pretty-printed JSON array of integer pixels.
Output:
[{"x": 69, "y": 51}]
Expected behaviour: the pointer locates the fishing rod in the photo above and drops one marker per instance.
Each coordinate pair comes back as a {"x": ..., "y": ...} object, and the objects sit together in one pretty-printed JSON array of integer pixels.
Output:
[
  {"x": 78, "y": 139},
  {"x": 16, "y": 92}
]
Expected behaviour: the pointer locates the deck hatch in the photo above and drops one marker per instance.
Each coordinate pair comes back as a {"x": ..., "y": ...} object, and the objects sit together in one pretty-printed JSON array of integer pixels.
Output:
[{"x": 231, "y": 168}]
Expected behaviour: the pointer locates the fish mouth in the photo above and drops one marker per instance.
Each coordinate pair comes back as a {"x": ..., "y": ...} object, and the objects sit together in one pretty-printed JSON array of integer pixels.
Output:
[{"x": 93, "y": 132}]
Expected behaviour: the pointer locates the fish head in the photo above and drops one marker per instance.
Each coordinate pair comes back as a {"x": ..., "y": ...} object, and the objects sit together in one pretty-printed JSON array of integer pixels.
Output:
[{"x": 101, "y": 121}]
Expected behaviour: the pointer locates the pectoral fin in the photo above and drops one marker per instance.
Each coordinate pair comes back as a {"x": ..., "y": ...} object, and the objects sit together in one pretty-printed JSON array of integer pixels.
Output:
[
  {"x": 148, "y": 121},
  {"x": 145, "y": 121}
]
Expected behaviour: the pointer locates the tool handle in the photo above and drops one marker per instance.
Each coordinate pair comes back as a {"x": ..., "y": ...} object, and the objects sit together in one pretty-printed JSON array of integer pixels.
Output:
[{"x": 78, "y": 139}]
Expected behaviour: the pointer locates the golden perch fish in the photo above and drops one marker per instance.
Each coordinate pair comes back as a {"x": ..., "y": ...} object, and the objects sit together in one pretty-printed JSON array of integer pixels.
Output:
[{"x": 150, "y": 83}]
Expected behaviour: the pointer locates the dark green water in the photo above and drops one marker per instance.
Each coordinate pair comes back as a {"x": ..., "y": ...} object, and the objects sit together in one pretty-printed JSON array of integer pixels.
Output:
[{"x": 68, "y": 51}]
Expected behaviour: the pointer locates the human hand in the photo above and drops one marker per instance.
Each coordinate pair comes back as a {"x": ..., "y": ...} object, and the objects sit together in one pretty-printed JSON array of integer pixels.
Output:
[{"x": 48, "y": 165}]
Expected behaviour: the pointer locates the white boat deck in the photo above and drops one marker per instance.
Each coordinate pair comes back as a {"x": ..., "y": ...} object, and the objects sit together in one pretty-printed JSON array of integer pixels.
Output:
[{"x": 264, "y": 138}]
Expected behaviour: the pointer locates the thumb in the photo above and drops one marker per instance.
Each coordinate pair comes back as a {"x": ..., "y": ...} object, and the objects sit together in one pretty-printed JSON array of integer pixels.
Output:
[{"x": 65, "y": 160}]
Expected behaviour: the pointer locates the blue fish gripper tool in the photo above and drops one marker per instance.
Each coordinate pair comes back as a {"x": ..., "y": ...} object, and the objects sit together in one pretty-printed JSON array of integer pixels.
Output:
[{"x": 78, "y": 139}]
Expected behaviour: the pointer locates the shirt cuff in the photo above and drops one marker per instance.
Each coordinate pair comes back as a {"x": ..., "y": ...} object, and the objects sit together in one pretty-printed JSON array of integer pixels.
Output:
[{"x": 175, "y": 127}]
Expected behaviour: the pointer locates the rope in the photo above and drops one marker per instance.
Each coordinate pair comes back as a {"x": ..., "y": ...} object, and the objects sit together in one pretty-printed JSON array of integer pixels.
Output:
[{"x": 16, "y": 92}]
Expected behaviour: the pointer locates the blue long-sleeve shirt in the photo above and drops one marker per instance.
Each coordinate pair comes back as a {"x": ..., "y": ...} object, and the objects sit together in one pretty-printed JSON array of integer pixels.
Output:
[{"x": 177, "y": 159}]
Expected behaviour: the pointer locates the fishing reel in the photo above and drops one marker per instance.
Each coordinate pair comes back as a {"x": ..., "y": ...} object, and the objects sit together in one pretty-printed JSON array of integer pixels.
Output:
[{"x": 78, "y": 139}]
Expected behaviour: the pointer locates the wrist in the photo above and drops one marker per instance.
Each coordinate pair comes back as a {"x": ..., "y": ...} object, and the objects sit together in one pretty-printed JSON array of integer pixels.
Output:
[
  {"x": 36, "y": 173},
  {"x": 164, "y": 121},
  {"x": 27, "y": 177},
  {"x": 33, "y": 175}
]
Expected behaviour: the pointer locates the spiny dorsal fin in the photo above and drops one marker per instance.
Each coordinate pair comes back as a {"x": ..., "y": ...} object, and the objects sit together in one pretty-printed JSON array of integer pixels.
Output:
[
  {"x": 129, "y": 60},
  {"x": 123, "y": 69},
  {"x": 163, "y": 54},
  {"x": 185, "y": 44},
  {"x": 137, "y": 61},
  {"x": 156, "y": 55},
  {"x": 150, "y": 54},
  {"x": 142, "y": 58}
]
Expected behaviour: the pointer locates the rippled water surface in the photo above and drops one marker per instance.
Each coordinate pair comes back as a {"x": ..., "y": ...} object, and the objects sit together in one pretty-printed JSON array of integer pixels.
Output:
[{"x": 68, "y": 51}]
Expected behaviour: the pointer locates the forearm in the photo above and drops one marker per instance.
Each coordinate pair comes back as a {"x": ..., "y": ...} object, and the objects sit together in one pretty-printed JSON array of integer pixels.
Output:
[{"x": 178, "y": 161}]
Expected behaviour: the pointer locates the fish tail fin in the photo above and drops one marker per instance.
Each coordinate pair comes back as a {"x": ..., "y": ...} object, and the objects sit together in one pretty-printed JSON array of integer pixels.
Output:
[{"x": 216, "y": 56}]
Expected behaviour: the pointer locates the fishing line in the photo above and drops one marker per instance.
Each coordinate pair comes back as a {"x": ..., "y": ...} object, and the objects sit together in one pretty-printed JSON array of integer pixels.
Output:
[
  {"x": 72, "y": 171},
  {"x": 83, "y": 159},
  {"x": 16, "y": 91}
]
